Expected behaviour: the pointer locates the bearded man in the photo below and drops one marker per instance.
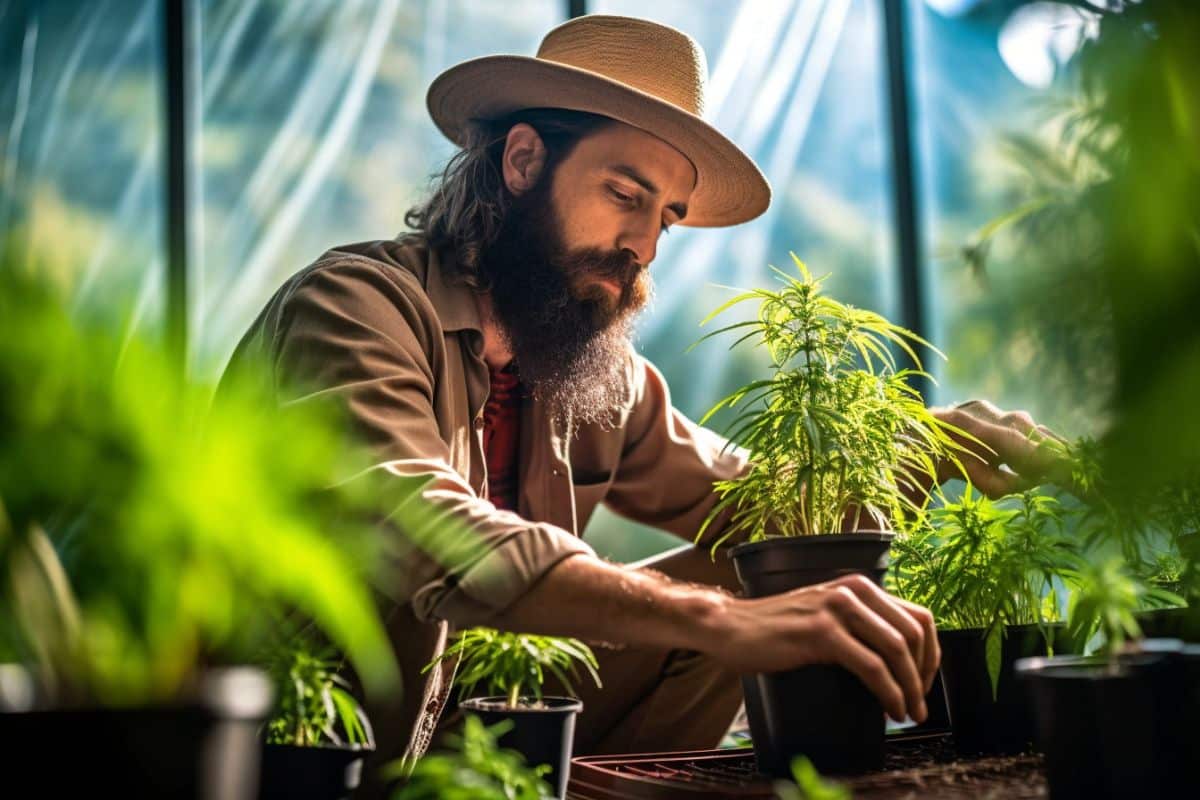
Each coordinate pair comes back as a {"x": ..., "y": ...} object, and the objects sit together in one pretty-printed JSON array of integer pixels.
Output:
[{"x": 487, "y": 351}]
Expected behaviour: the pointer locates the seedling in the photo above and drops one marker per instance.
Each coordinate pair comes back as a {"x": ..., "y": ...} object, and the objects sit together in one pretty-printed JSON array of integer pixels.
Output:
[
  {"x": 314, "y": 705},
  {"x": 514, "y": 665}
]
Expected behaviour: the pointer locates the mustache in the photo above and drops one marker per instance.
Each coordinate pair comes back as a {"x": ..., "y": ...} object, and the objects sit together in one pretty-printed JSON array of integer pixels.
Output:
[{"x": 618, "y": 265}]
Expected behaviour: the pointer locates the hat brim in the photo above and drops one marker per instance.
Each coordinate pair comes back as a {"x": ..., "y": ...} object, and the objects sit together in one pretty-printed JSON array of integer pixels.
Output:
[{"x": 730, "y": 188}]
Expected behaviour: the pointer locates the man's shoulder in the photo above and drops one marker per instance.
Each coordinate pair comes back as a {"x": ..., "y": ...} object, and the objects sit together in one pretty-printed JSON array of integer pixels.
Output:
[
  {"x": 388, "y": 275},
  {"x": 404, "y": 260},
  {"x": 368, "y": 290},
  {"x": 381, "y": 284}
]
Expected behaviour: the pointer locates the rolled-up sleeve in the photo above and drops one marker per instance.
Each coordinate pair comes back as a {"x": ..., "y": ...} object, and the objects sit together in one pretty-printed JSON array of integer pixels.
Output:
[{"x": 366, "y": 339}]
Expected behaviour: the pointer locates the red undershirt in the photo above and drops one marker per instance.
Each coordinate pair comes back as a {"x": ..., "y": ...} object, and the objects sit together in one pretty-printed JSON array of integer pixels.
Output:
[{"x": 501, "y": 436}]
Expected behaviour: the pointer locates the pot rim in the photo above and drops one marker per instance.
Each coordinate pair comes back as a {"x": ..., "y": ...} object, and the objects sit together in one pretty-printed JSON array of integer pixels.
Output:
[
  {"x": 1024, "y": 626},
  {"x": 227, "y": 693},
  {"x": 812, "y": 540},
  {"x": 324, "y": 746},
  {"x": 557, "y": 704},
  {"x": 1090, "y": 668}
]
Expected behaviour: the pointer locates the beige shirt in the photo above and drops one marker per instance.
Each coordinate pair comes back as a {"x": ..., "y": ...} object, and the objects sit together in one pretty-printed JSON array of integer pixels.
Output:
[{"x": 383, "y": 327}]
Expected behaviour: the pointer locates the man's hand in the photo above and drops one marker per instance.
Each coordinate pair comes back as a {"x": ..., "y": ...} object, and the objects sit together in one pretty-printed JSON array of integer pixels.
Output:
[
  {"x": 1003, "y": 452},
  {"x": 890, "y": 644}
]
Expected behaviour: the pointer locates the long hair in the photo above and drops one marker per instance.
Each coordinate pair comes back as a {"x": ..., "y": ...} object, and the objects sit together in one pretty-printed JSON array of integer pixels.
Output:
[{"x": 468, "y": 199}]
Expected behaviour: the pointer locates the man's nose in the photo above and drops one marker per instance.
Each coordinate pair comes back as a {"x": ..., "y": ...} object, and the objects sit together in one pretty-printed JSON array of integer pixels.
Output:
[{"x": 641, "y": 241}]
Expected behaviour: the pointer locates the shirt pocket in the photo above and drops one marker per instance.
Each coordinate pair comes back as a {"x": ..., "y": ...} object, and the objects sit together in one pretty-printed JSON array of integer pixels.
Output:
[{"x": 589, "y": 488}]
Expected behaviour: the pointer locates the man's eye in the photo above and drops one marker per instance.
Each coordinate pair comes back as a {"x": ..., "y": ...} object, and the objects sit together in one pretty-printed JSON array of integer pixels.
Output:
[{"x": 624, "y": 198}]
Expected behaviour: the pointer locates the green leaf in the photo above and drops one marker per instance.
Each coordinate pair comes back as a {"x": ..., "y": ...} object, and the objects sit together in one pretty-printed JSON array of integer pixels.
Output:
[{"x": 993, "y": 647}]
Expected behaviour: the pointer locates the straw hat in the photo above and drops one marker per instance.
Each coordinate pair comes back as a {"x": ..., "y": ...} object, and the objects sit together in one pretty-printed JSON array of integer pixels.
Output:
[{"x": 644, "y": 74}]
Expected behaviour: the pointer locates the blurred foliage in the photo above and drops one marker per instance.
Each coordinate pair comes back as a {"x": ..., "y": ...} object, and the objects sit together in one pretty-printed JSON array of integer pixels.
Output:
[
  {"x": 835, "y": 428},
  {"x": 514, "y": 665},
  {"x": 1142, "y": 76},
  {"x": 1113, "y": 228},
  {"x": 1104, "y": 598},
  {"x": 149, "y": 530},
  {"x": 807, "y": 784},
  {"x": 471, "y": 767}
]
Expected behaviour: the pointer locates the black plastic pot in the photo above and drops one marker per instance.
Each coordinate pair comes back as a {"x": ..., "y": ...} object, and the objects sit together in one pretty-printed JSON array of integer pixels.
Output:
[
  {"x": 544, "y": 735},
  {"x": 1118, "y": 729},
  {"x": 310, "y": 773},
  {"x": 1170, "y": 623},
  {"x": 981, "y": 724},
  {"x": 207, "y": 748},
  {"x": 821, "y": 711}
]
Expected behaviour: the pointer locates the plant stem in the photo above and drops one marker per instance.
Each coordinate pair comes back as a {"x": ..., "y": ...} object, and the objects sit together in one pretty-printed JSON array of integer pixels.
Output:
[
  {"x": 841, "y": 489},
  {"x": 514, "y": 695}
]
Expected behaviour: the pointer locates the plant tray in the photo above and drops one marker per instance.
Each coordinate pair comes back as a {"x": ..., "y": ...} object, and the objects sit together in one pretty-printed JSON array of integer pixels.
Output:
[{"x": 916, "y": 766}]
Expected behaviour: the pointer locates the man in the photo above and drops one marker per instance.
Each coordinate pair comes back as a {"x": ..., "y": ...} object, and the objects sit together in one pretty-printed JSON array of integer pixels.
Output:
[{"x": 488, "y": 352}]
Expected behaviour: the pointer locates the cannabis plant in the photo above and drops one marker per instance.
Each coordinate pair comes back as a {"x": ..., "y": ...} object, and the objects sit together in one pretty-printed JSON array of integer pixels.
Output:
[
  {"x": 979, "y": 563},
  {"x": 313, "y": 703},
  {"x": 837, "y": 431},
  {"x": 472, "y": 767},
  {"x": 514, "y": 665}
]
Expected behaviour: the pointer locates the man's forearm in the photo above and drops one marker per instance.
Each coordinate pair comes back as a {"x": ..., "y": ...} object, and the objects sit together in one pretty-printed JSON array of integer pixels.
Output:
[
  {"x": 591, "y": 599},
  {"x": 889, "y": 644}
]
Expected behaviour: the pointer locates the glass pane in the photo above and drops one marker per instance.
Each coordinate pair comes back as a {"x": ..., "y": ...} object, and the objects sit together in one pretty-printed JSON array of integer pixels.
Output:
[
  {"x": 315, "y": 133},
  {"x": 780, "y": 76},
  {"x": 799, "y": 86},
  {"x": 984, "y": 78},
  {"x": 81, "y": 148}
]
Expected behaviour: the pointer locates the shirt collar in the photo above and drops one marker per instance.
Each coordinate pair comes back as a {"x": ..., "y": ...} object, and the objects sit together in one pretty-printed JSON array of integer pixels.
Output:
[{"x": 453, "y": 301}]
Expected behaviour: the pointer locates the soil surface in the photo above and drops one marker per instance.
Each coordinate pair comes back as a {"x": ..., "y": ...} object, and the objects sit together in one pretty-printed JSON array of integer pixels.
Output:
[
  {"x": 930, "y": 769},
  {"x": 920, "y": 767}
]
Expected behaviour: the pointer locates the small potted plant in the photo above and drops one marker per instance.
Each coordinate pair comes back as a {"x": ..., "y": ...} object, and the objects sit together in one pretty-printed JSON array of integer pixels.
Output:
[
  {"x": 317, "y": 738},
  {"x": 471, "y": 766},
  {"x": 511, "y": 667},
  {"x": 838, "y": 438},
  {"x": 991, "y": 572},
  {"x": 1121, "y": 723}
]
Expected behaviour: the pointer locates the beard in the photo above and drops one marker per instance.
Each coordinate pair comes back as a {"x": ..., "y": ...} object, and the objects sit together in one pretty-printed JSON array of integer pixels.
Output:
[{"x": 569, "y": 333}]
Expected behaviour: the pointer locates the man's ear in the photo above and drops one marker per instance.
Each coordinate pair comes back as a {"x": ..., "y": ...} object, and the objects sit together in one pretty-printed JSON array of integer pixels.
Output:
[{"x": 524, "y": 158}]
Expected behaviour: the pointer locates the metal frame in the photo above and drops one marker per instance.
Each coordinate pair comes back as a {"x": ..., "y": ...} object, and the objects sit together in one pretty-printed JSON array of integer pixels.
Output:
[
  {"x": 906, "y": 217},
  {"x": 177, "y": 58}
]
